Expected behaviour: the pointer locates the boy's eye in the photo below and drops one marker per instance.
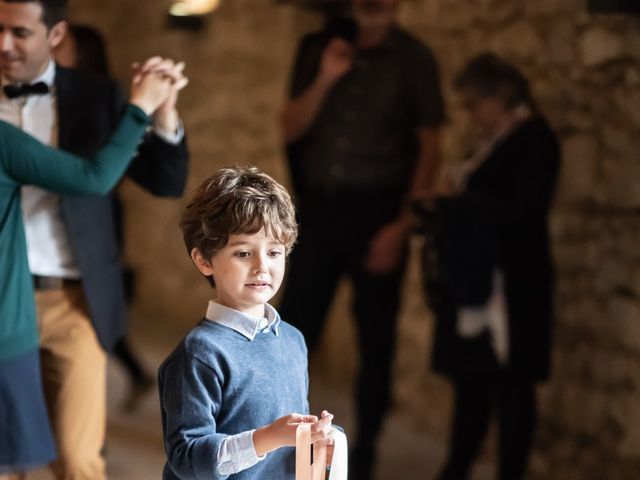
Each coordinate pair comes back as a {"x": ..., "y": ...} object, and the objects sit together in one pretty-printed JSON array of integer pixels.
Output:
[
  {"x": 275, "y": 253},
  {"x": 242, "y": 254}
]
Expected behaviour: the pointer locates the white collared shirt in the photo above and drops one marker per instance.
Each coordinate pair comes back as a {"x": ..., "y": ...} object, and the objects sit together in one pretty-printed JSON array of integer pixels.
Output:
[
  {"x": 242, "y": 323},
  {"x": 48, "y": 247},
  {"x": 237, "y": 452}
]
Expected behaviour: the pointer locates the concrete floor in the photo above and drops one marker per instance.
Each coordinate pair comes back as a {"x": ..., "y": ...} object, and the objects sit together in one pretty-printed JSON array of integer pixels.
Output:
[{"x": 134, "y": 443}]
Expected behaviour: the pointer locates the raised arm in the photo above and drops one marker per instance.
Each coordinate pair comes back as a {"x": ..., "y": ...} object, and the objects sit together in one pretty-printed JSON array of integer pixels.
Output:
[
  {"x": 27, "y": 161},
  {"x": 161, "y": 165},
  {"x": 302, "y": 109}
]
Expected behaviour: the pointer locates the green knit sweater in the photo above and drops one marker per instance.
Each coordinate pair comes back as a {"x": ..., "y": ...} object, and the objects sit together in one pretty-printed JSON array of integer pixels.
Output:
[{"x": 24, "y": 160}]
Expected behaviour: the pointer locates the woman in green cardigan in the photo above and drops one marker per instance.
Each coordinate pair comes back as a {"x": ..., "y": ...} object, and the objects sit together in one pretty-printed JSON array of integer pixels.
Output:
[{"x": 25, "y": 437}]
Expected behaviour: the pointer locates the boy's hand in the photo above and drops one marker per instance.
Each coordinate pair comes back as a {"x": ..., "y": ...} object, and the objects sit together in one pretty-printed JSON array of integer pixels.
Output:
[
  {"x": 282, "y": 432},
  {"x": 322, "y": 428},
  {"x": 327, "y": 439}
]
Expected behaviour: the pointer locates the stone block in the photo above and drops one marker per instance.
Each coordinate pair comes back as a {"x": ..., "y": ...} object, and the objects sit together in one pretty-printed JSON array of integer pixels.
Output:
[
  {"x": 619, "y": 140},
  {"x": 519, "y": 41},
  {"x": 561, "y": 44},
  {"x": 632, "y": 77},
  {"x": 553, "y": 7},
  {"x": 628, "y": 101},
  {"x": 632, "y": 41},
  {"x": 634, "y": 279},
  {"x": 580, "y": 157},
  {"x": 624, "y": 317},
  {"x": 613, "y": 371},
  {"x": 620, "y": 188},
  {"x": 613, "y": 273},
  {"x": 583, "y": 409},
  {"x": 625, "y": 409},
  {"x": 579, "y": 119},
  {"x": 453, "y": 16},
  {"x": 502, "y": 12},
  {"x": 571, "y": 224},
  {"x": 599, "y": 46},
  {"x": 573, "y": 257}
]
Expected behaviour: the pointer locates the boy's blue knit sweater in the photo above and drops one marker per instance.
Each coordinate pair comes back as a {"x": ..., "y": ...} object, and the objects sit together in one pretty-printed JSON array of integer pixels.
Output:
[{"x": 216, "y": 383}]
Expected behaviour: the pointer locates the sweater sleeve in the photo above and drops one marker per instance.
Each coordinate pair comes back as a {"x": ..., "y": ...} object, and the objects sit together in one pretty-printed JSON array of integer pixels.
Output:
[
  {"x": 190, "y": 398},
  {"x": 27, "y": 161}
]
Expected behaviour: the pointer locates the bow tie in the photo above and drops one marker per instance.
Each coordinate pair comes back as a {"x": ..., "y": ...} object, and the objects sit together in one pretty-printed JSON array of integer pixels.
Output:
[{"x": 14, "y": 91}]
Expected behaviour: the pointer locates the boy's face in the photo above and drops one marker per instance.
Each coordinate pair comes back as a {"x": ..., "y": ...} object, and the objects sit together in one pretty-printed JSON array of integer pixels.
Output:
[{"x": 248, "y": 271}]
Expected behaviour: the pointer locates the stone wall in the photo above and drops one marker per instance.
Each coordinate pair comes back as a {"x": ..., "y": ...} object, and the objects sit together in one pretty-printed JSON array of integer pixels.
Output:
[{"x": 585, "y": 72}]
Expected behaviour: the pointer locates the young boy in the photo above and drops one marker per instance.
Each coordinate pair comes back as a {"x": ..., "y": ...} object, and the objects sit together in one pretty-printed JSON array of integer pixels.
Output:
[{"x": 227, "y": 391}]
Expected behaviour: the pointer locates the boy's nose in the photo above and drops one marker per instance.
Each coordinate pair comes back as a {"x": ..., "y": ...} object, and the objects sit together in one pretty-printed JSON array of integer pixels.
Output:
[{"x": 260, "y": 265}]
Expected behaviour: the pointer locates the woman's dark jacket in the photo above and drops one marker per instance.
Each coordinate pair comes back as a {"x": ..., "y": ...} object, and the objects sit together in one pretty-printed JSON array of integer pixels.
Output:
[{"x": 500, "y": 221}]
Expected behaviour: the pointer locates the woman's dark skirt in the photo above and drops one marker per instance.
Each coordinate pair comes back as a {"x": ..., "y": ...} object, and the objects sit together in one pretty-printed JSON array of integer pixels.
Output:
[{"x": 26, "y": 440}]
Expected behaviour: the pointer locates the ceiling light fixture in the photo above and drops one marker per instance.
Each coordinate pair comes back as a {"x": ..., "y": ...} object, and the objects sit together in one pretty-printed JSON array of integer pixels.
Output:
[{"x": 190, "y": 13}]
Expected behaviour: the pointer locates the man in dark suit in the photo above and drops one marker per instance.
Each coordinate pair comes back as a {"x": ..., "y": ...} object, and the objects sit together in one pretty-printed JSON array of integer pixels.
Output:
[{"x": 73, "y": 252}]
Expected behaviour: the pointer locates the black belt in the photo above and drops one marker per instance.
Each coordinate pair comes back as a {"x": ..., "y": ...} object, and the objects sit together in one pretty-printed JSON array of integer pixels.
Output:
[{"x": 41, "y": 282}]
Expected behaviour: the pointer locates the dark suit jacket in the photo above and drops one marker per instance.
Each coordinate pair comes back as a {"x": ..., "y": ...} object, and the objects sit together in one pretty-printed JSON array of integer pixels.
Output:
[
  {"x": 501, "y": 222},
  {"x": 89, "y": 108}
]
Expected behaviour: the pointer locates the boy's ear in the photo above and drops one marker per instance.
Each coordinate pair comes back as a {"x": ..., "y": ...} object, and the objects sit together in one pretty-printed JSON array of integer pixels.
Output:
[{"x": 203, "y": 264}]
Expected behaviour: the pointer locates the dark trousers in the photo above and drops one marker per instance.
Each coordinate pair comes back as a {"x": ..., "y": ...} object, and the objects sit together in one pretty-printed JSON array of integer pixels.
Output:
[
  {"x": 514, "y": 403},
  {"x": 334, "y": 241}
]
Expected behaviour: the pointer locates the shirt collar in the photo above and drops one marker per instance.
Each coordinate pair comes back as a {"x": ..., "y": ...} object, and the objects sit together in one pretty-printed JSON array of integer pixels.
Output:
[
  {"x": 48, "y": 75},
  {"x": 242, "y": 323}
]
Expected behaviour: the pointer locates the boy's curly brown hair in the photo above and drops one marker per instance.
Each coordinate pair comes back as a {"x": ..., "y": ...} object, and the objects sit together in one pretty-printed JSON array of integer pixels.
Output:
[{"x": 237, "y": 200}]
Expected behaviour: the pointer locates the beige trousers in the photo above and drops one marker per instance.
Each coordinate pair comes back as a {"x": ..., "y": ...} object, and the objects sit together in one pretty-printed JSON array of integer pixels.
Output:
[{"x": 74, "y": 377}]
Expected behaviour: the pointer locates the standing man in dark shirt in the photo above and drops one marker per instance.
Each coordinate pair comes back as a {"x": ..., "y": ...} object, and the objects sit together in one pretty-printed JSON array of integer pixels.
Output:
[
  {"x": 362, "y": 128},
  {"x": 72, "y": 249}
]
